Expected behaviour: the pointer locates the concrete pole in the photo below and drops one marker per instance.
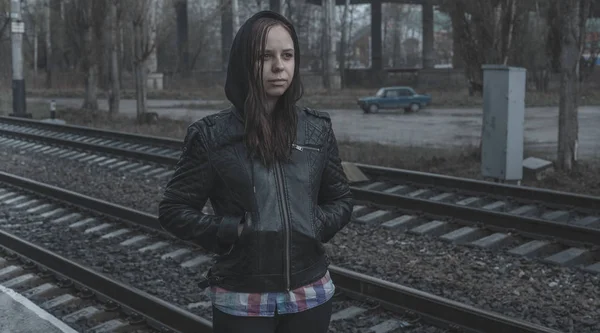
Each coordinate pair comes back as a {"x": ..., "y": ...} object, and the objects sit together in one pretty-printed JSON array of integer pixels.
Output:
[
  {"x": 376, "y": 47},
  {"x": 428, "y": 36},
  {"x": 18, "y": 79}
]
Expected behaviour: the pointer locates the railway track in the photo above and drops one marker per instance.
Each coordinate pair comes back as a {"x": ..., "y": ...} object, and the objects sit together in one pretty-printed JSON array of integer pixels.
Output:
[
  {"x": 554, "y": 227},
  {"x": 88, "y": 301},
  {"x": 45, "y": 205}
]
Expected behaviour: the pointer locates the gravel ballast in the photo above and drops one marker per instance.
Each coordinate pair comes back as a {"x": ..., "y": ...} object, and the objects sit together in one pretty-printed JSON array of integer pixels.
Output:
[
  {"x": 164, "y": 278},
  {"x": 561, "y": 298},
  {"x": 125, "y": 189}
]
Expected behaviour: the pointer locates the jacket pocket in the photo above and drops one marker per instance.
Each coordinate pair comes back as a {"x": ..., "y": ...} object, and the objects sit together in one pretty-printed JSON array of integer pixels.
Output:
[
  {"x": 307, "y": 147},
  {"x": 319, "y": 222},
  {"x": 247, "y": 227}
]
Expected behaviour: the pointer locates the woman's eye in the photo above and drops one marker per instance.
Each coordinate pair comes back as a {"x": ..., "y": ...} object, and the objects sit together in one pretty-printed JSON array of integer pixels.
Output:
[{"x": 288, "y": 55}]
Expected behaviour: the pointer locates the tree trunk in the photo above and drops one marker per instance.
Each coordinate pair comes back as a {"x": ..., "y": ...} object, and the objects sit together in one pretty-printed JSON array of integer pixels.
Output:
[
  {"x": 329, "y": 45},
  {"x": 511, "y": 26},
  {"x": 121, "y": 52},
  {"x": 91, "y": 89},
  {"x": 140, "y": 69},
  {"x": 396, "y": 36},
  {"x": 49, "y": 60},
  {"x": 114, "y": 94},
  {"x": 60, "y": 58},
  {"x": 344, "y": 44},
  {"x": 90, "y": 65},
  {"x": 226, "y": 32},
  {"x": 35, "y": 53},
  {"x": 275, "y": 5},
  {"x": 140, "y": 91},
  {"x": 457, "y": 34},
  {"x": 572, "y": 27},
  {"x": 323, "y": 51},
  {"x": 181, "y": 10}
]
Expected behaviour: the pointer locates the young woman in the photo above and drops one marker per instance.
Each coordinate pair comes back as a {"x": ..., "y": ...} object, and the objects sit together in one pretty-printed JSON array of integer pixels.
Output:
[{"x": 275, "y": 181}]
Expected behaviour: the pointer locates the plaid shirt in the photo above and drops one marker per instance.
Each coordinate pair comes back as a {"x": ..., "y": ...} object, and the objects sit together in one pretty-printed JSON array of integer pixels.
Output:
[{"x": 265, "y": 304}]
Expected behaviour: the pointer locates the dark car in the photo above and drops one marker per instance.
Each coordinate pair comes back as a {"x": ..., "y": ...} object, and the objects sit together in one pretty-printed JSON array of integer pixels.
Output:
[{"x": 394, "y": 98}]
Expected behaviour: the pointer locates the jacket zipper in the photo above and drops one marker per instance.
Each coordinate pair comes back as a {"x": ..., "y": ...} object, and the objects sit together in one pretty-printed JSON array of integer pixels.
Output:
[
  {"x": 301, "y": 148},
  {"x": 286, "y": 225}
]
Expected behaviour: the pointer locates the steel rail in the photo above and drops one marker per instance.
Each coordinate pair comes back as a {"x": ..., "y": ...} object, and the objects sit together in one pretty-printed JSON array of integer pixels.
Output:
[
  {"x": 127, "y": 153},
  {"x": 400, "y": 175},
  {"x": 391, "y": 294},
  {"x": 152, "y": 308},
  {"x": 59, "y": 194},
  {"x": 104, "y": 133},
  {"x": 434, "y": 308},
  {"x": 526, "y": 225},
  {"x": 494, "y": 189}
]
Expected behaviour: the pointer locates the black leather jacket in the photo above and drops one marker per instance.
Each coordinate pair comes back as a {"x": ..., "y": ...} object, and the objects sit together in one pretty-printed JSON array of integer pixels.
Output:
[{"x": 289, "y": 211}]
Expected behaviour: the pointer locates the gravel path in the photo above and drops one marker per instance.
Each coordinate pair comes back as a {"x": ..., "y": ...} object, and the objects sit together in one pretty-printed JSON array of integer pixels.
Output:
[{"x": 564, "y": 299}]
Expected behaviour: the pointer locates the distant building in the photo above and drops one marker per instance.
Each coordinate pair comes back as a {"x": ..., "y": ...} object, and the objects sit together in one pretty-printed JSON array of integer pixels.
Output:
[{"x": 410, "y": 48}]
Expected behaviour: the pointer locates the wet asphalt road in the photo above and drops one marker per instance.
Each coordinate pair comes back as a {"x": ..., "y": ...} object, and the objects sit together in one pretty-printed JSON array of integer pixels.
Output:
[{"x": 429, "y": 127}]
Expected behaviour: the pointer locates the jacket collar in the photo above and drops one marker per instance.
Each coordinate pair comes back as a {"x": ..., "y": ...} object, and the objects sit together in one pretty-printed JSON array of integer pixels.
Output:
[{"x": 237, "y": 114}]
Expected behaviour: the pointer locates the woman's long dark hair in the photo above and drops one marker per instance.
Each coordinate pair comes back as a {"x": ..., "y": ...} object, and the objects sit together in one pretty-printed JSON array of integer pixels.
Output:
[{"x": 270, "y": 136}]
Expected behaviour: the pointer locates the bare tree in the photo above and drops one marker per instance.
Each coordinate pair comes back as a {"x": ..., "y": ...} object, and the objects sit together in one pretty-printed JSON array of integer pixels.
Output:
[
  {"x": 88, "y": 24},
  {"x": 4, "y": 18},
  {"x": 49, "y": 60},
  {"x": 143, "y": 46},
  {"x": 328, "y": 49},
  {"x": 181, "y": 9},
  {"x": 572, "y": 21},
  {"x": 58, "y": 35},
  {"x": 397, "y": 24},
  {"x": 486, "y": 31},
  {"x": 536, "y": 42},
  {"x": 226, "y": 31},
  {"x": 204, "y": 26},
  {"x": 344, "y": 41}
]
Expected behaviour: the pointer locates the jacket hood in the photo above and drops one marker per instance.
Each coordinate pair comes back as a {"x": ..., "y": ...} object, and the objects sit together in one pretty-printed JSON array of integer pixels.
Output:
[{"x": 239, "y": 66}]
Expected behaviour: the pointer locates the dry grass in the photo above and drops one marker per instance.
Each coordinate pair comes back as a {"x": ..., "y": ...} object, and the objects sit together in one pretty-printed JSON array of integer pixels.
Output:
[
  {"x": 5, "y": 101},
  {"x": 463, "y": 160},
  {"x": 342, "y": 99},
  {"x": 166, "y": 127},
  {"x": 459, "y": 162},
  {"x": 37, "y": 110}
]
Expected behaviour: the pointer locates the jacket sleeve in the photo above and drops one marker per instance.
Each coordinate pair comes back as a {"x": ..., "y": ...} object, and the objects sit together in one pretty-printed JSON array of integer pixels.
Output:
[
  {"x": 335, "y": 198},
  {"x": 180, "y": 210}
]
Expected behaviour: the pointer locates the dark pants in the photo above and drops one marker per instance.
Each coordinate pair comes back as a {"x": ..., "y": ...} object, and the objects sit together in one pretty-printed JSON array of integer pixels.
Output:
[{"x": 315, "y": 320}]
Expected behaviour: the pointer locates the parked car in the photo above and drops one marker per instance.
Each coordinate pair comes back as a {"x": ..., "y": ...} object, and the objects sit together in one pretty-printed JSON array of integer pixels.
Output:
[{"x": 394, "y": 98}]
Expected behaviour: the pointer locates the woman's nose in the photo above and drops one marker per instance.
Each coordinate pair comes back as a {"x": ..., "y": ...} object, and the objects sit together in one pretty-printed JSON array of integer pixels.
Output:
[{"x": 278, "y": 64}]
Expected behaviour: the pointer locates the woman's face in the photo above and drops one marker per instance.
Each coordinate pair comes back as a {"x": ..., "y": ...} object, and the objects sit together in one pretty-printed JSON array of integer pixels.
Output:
[{"x": 278, "y": 62}]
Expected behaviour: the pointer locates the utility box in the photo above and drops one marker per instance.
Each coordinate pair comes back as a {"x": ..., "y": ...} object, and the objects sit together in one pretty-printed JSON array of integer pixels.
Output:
[{"x": 503, "y": 123}]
